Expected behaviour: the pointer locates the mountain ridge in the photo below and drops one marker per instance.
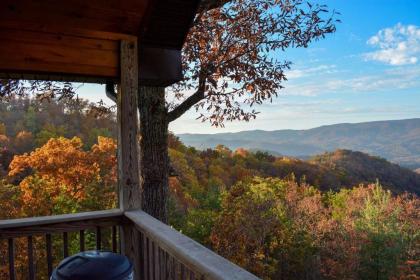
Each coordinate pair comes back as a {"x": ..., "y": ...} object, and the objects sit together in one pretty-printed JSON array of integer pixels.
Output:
[{"x": 395, "y": 140}]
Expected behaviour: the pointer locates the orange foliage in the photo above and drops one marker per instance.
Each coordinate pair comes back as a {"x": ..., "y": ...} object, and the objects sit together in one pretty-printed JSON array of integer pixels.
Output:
[{"x": 63, "y": 174}]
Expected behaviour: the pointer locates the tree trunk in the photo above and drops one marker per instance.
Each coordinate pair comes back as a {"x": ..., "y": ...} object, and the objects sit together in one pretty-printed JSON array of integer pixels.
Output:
[{"x": 154, "y": 163}]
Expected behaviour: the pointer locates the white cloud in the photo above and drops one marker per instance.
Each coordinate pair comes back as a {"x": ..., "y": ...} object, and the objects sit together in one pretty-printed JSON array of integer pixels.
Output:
[
  {"x": 398, "y": 45},
  {"x": 300, "y": 73},
  {"x": 407, "y": 77}
]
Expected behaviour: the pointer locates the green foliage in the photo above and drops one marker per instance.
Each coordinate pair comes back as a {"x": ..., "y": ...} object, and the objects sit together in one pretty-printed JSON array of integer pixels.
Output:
[
  {"x": 29, "y": 119},
  {"x": 267, "y": 214},
  {"x": 46, "y": 119},
  {"x": 199, "y": 224},
  {"x": 94, "y": 133},
  {"x": 48, "y": 132},
  {"x": 279, "y": 229},
  {"x": 385, "y": 239}
]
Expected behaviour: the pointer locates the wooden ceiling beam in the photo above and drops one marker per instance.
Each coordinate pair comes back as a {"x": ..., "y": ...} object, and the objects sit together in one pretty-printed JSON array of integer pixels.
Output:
[{"x": 79, "y": 40}]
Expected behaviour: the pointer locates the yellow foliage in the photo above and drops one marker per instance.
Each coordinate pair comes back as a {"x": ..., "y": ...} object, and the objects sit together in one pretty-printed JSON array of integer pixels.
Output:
[{"x": 62, "y": 172}]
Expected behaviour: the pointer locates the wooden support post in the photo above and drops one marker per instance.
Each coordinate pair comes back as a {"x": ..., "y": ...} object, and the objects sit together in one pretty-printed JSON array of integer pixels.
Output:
[{"x": 128, "y": 153}]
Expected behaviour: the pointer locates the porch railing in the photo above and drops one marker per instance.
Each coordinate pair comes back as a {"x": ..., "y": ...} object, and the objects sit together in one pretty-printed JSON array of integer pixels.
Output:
[{"x": 162, "y": 252}]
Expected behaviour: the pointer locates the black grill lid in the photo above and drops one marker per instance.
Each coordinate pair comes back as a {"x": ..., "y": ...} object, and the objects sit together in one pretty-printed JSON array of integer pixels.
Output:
[{"x": 93, "y": 265}]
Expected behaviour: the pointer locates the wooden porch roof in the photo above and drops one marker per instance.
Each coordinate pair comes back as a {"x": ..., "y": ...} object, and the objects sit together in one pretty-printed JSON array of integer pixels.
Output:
[{"x": 79, "y": 40}]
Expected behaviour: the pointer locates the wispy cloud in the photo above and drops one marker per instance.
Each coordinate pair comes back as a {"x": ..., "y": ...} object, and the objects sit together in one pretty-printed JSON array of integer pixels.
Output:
[
  {"x": 305, "y": 72},
  {"x": 398, "y": 45},
  {"x": 386, "y": 80}
]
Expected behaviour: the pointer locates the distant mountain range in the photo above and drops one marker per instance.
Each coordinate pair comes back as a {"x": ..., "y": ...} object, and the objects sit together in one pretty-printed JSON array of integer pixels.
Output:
[{"x": 397, "y": 140}]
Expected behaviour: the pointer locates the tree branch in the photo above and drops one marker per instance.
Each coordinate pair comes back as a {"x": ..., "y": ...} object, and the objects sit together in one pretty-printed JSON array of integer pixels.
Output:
[
  {"x": 186, "y": 105},
  {"x": 207, "y": 5}
]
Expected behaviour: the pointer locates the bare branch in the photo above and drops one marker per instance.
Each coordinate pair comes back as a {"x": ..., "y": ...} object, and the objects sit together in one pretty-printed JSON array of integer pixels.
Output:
[{"x": 186, "y": 105}]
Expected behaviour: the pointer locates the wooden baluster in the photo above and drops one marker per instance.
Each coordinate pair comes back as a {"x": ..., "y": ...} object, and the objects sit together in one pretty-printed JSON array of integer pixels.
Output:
[
  {"x": 146, "y": 257},
  {"x": 151, "y": 261},
  {"x": 155, "y": 261},
  {"x": 49, "y": 253},
  {"x": 120, "y": 239},
  {"x": 31, "y": 271},
  {"x": 82, "y": 240},
  {"x": 141, "y": 257},
  {"x": 65, "y": 244},
  {"x": 183, "y": 274},
  {"x": 166, "y": 264},
  {"x": 12, "y": 272},
  {"x": 114, "y": 239},
  {"x": 160, "y": 263},
  {"x": 174, "y": 269},
  {"x": 98, "y": 238}
]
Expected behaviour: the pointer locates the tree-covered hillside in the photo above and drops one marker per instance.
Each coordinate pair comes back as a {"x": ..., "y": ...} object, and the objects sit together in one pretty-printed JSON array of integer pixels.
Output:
[
  {"x": 329, "y": 217},
  {"x": 357, "y": 167},
  {"x": 398, "y": 141}
]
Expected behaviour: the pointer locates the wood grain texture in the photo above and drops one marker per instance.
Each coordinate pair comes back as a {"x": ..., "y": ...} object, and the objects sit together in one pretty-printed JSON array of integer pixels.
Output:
[
  {"x": 82, "y": 240},
  {"x": 98, "y": 238},
  {"x": 114, "y": 239},
  {"x": 11, "y": 250},
  {"x": 66, "y": 218},
  {"x": 59, "y": 223},
  {"x": 65, "y": 244},
  {"x": 31, "y": 270},
  {"x": 49, "y": 253},
  {"x": 123, "y": 16},
  {"x": 75, "y": 40},
  {"x": 38, "y": 52},
  {"x": 128, "y": 155}
]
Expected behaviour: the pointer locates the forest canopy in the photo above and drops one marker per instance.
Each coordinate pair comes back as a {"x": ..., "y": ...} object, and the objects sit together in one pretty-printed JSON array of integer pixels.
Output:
[{"x": 279, "y": 217}]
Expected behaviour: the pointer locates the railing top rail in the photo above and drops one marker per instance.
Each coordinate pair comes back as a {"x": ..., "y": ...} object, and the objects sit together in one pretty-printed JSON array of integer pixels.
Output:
[
  {"x": 67, "y": 218},
  {"x": 186, "y": 250}
]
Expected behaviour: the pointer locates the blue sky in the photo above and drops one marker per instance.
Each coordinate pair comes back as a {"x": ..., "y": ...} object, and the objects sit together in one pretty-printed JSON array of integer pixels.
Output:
[{"x": 368, "y": 70}]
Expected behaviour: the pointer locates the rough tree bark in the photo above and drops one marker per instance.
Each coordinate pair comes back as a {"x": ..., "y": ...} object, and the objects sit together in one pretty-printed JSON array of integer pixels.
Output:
[
  {"x": 154, "y": 122},
  {"x": 154, "y": 166}
]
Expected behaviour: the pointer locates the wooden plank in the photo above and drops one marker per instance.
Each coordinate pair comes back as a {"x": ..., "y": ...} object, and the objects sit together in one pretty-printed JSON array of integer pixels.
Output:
[
  {"x": 67, "y": 218},
  {"x": 59, "y": 228},
  {"x": 173, "y": 268},
  {"x": 114, "y": 239},
  {"x": 34, "y": 53},
  {"x": 141, "y": 257},
  {"x": 187, "y": 251},
  {"x": 183, "y": 273},
  {"x": 147, "y": 258},
  {"x": 54, "y": 39},
  {"x": 68, "y": 72},
  {"x": 31, "y": 271},
  {"x": 45, "y": 76},
  {"x": 157, "y": 262},
  {"x": 97, "y": 15},
  {"x": 11, "y": 249},
  {"x": 98, "y": 238},
  {"x": 164, "y": 265},
  {"x": 65, "y": 244},
  {"x": 82, "y": 240},
  {"x": 64, "y": 31},
  {"x": 30, "y": 58},
  {"x": 34, "y": 226},
  {"x": 49, "y": 253}
]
